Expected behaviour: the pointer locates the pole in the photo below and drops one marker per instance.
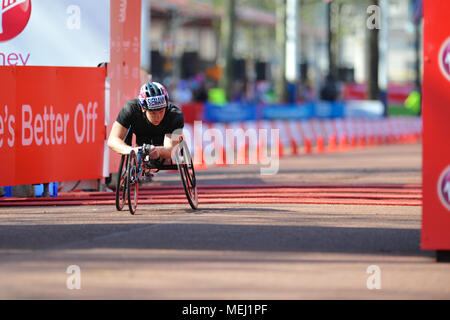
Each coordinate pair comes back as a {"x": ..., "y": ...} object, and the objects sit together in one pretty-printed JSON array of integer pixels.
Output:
[
  {"x": 145, "y": 42},
  {"x": 281, "y": 83},
  {"x": 383, "y": 67},
  {"x": 228, "y": 31},
  {"x": 332, "y": 40},
  {"x": 373, "y": 58},
  {"x": 291, "y": 68}
]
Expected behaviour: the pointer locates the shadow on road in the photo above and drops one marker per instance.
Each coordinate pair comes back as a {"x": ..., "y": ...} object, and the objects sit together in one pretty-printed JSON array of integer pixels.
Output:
[
  {"x": 324, "y": 171},
  {"x": 218, "y": 237}
]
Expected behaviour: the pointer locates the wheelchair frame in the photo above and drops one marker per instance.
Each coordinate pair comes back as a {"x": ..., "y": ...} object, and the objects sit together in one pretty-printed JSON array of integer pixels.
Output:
[{"x": 134, "y": 166}]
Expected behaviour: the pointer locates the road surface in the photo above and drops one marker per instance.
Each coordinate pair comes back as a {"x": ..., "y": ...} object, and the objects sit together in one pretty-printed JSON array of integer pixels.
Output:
[{"x": 234, "y": 250}]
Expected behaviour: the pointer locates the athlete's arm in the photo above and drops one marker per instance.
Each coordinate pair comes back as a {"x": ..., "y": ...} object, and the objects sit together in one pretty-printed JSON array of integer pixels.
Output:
[
  {"x": 165, "y": 152},
  {"x": 116, "y": 139}
]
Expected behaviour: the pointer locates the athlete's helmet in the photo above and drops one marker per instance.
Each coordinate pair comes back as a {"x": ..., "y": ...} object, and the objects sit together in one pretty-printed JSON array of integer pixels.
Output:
[{"x": 153, "y": 96}]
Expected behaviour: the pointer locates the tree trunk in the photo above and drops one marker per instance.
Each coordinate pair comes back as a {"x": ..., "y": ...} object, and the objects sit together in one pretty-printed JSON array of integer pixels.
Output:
[
  {"x": 373, "y": 60},
  {"x": 332, "y": 17},
  {"x": 227, "y": 35},
  {"x": 281, "y": 83},
  {"x": 418, "y": 37}
]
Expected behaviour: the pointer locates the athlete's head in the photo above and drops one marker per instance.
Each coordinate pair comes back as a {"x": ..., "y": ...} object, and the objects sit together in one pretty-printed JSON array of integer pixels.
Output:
[{"x": 153, "y": 97}]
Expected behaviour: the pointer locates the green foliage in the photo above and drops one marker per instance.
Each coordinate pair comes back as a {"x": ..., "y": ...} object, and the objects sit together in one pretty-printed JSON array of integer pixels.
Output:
[
  {"x": 413, "y": 102},
  {"x": 269, "y": 5}
]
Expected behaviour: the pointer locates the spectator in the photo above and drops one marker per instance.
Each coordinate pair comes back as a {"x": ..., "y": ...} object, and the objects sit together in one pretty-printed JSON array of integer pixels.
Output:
[
  {"x": 329, "y": 91},
  {"x": 306, "y": 93},
  {"x": 413, "y": 102},
  {"x": 201, "y": 95},
  {"x": 182, "y": 93},
  {"x": 238, "y": 92}
]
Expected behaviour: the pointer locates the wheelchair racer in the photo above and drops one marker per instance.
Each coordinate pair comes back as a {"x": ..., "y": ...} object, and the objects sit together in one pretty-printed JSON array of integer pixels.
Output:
[{"x": 154, "y": 121}]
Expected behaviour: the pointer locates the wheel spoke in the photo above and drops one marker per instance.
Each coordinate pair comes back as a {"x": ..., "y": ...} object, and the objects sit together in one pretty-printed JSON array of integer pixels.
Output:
[
  {"x": 132, "y": 182},
  {"x": 121, "y": 185},
  {"x": 185, "y": 164}
]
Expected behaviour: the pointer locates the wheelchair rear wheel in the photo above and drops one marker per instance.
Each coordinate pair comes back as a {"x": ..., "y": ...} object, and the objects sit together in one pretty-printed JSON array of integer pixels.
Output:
[
  {"x": 187, "y": 173},
  {"x": 132, "y": 182},
  {"x": 121, "y": 185}
]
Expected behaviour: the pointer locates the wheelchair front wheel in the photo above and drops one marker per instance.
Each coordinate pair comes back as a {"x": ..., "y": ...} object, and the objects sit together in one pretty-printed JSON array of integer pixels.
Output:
[
  {"x": 132, "y": 182},
  {"x": 187, "y": 173},
  {"x": 121, "y": 185}
]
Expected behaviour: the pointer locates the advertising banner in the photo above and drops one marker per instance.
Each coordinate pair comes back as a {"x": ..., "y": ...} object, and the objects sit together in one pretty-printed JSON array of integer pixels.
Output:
[
  {"x": 73, "y": 33},
  {"x": 231, "y": 112},
  {"x": 51, "y": 124},
  {"x": 289, "y": 112},
  {"x": 329, "y": 110},
  {"x": 192, "y": 111},
  {"x": 363, "y": 109},
  {"x": 124, "y": 69},
  {"x": 436, "y": 117}
]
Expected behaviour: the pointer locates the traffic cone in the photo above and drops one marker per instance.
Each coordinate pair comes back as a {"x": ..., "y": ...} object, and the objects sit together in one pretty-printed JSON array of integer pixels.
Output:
[
  {"x": 353, "y": 142},
  {"x": 379, "y": 140},
  {"x": 294, "y": 147},
  {"x": 223, "y": 161},
  {"x": 332, "y": 144},
  {"x": 261, "y": 150},
  {"x": 308, "y": 148},
  {"x": 320, "y": 145},
  {"x": 409, "y": 138},
  {"x": 199, "y": 160},
  {"x": 392, "y": 139},
  {"x": 244, "y": 151},
  {"x": 343, "y": 143},
  {"x": 280, "y": 149},
  {"x": 417, "y": 137},
  {"x": 362, "y": 141}
]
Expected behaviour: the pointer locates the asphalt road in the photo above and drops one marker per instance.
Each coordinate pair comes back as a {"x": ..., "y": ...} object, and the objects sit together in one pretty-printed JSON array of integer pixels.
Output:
[{"x": 232, "y": 251}]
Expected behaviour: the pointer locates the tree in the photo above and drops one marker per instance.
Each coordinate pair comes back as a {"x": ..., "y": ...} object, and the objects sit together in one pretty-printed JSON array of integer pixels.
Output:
[
  {"x": 228, "y": 28},
  {"x": 280, "y": 39},
  {"x": 373, "y": 53},
  {"x": 332, "y": 19}
]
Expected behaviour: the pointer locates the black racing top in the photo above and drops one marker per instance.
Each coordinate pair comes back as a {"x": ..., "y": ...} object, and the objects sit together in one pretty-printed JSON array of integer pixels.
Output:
[{"x": 132, "y": 115}]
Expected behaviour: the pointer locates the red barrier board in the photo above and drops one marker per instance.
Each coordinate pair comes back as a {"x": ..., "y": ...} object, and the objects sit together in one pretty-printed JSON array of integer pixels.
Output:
[
  {"x": 192, "y": 111},
  {"x": 51, "y": 124},
  {"x": 124, "y": 68},
  {"x": 436, "y": 126},
  {"x": 396, "y": 94}
]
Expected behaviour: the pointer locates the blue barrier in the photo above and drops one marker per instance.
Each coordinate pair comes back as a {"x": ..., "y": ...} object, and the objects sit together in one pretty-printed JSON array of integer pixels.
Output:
[
  {"x": 329, "y": 110},
  {"x": 236, "y": 112},
  {"x": 52, "y": 189},
  {"x": 288, "y": 112},
  {"x": 364, "y": 109},
  {"x": 38, "y": 190},
  {"x": 231, "y": 112},
  {"x": 8, "y": 191}
]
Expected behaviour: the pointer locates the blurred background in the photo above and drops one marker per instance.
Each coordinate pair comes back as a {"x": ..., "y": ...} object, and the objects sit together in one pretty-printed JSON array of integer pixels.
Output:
[
  {"x": 285, "y": 51},
  {"x": 225, "y": 61}
]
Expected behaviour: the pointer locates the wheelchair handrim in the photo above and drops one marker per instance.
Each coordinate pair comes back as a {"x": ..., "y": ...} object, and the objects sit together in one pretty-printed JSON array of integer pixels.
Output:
[{"x": 121, "y": 185}]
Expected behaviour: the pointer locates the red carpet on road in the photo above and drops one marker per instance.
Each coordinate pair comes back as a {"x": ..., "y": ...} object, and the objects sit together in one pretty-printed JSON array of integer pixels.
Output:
[{"x": 394, "y": 195}]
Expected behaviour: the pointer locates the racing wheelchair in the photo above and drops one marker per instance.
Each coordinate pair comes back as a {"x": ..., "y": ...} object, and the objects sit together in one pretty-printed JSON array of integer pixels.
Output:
[{"x": 135, "y": 166}]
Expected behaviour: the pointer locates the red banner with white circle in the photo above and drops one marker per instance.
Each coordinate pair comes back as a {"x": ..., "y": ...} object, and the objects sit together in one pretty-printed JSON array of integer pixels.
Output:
[
  {"x": 51, "y": 124},
  {"x": 14, "y": 17},
  {"x": 55, "y": 33},
  {"x": 436, "y": 126}
]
